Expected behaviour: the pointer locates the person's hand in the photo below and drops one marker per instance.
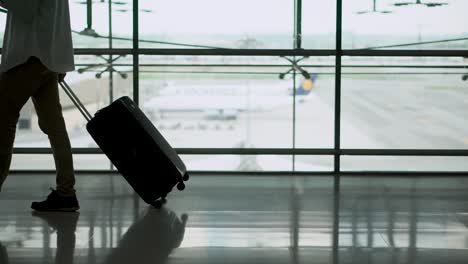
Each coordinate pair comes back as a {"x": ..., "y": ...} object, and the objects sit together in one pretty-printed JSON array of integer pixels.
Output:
[{"x": 61, "y": 77}]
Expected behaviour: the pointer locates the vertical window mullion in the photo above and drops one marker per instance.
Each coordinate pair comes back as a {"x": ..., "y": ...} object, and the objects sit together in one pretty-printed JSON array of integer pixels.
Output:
[
  {"x": 337, "y": 145},
  {"x": 339, "y": 52},
  {"x": 136, "y": 54}
]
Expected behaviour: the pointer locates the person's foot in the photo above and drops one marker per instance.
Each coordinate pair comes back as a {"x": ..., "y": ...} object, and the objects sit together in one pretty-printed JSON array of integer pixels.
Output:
[{"x": 58, "y": 203}]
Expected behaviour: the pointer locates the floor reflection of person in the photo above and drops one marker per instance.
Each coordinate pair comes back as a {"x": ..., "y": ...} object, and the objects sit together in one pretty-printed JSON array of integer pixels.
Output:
[
  {"x": 65, "y": 226},
  {"x": 3, "y": 255},
  {"x": 151, "y": 239}
]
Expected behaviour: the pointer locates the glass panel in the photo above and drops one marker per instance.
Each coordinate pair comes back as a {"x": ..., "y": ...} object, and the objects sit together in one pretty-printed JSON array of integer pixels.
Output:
[
  {"x": 122, "y": 23},
  {"x": 314, "y": 163},
  {"x": 218, "y": 102},
  {"x": 193, "y": 162},
  {"x": 91, "y": 25},
  {"x": 404, "y": 103},
  {"x": 257, "y": 163},
  {"x": 238, "y": 162},
  {"x": 315, "y": 101},
  {"x": 94, "y": 92},
  {"x": 411, "y": 24},
  {"x": 404, "y": 163},
  {"x": 46, "y": 162},
  {"x": 258, "y": 24},
  {"x": 318, "y": 24}
]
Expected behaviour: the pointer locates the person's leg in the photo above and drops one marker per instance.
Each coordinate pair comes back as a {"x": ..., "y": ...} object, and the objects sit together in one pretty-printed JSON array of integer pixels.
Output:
[
  {"x": 16, "y": 87},
  {"x": 49, "y": 111},
  {"x": 3, "y": 254},
  {"x": 8, "y": 119}
]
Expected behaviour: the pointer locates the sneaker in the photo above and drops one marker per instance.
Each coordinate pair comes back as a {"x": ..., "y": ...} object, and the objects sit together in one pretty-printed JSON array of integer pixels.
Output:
[{"x": 56, "y": 202}]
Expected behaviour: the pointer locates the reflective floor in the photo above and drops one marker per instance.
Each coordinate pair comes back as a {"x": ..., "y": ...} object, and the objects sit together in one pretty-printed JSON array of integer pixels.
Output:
[{"x": 241, "y": 219}]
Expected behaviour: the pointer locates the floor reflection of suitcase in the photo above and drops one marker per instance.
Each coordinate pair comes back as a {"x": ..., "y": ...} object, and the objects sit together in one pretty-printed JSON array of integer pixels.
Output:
[
  {"x": 150, "y": 239},
  {"x": 136, "y": 148}
]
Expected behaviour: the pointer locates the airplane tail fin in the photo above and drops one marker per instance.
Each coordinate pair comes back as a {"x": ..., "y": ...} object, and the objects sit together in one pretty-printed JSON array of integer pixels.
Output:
[{"x": 307, "y": 85}]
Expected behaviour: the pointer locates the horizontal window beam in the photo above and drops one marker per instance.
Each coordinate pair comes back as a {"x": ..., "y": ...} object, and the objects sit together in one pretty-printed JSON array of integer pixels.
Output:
[
  {"x": 277, "y": 151},
  {"x": 276, "y": 52},
  {"x": 331, "y": 66},
  {"x": 404, "y": 173},
  {"x": 276, "y": 173},
  {"x": 411, "y": 66},
  {"x": 197, "y": 151},
  {"x": 208, "y": 52},
  {"x": 406, "y": 53},
  {"x": 404, "y": 152}
]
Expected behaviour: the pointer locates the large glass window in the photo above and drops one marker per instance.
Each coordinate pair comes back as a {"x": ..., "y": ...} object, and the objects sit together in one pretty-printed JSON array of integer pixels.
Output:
[
  {"x": 214, "y": 103},
  {"x": 264, "y": 79},
  {"x": 238, "y": 102}
]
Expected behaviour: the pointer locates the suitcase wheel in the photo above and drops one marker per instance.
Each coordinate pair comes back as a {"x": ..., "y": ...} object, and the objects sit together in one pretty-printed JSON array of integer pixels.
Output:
[
  {"x": 186, "y": 177},
  {"x": 157, "y": 204},
  {"x": 181, "y": 186}
]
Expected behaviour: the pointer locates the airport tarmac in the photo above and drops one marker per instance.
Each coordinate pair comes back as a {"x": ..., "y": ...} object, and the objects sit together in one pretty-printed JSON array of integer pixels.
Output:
[{"x": 413, "y": 112}]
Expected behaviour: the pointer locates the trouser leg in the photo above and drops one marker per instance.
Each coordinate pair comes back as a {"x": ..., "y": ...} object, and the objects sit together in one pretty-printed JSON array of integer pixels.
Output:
[
  {"x": 16, "y": 87},
  {"x": 7, "y": 137},
  {"x": 33, "y": 79},
  {"x": 49, "y": 111}
]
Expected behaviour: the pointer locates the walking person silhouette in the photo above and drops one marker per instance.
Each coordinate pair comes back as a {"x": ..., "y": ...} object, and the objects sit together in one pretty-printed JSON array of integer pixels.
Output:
[{"x": 37, "y": 53}]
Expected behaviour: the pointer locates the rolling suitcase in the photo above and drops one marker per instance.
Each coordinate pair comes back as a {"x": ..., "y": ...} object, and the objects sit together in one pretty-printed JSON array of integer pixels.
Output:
[{"x": 135, "y": 147}]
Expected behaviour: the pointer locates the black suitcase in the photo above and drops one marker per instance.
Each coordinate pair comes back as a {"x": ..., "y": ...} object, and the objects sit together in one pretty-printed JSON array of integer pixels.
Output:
[{"x": 135, "y": 147}]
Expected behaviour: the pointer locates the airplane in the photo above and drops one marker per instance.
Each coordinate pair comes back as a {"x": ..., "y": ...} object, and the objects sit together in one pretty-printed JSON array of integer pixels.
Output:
[{"x": 224, "y": 102}]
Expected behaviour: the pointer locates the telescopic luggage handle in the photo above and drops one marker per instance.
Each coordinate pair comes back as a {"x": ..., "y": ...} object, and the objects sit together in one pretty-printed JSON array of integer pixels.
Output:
[{"x": 76, "y": 101}]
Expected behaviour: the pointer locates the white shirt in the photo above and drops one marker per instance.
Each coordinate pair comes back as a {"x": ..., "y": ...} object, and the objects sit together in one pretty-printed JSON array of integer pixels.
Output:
[{"x": 39, "y": 28}]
